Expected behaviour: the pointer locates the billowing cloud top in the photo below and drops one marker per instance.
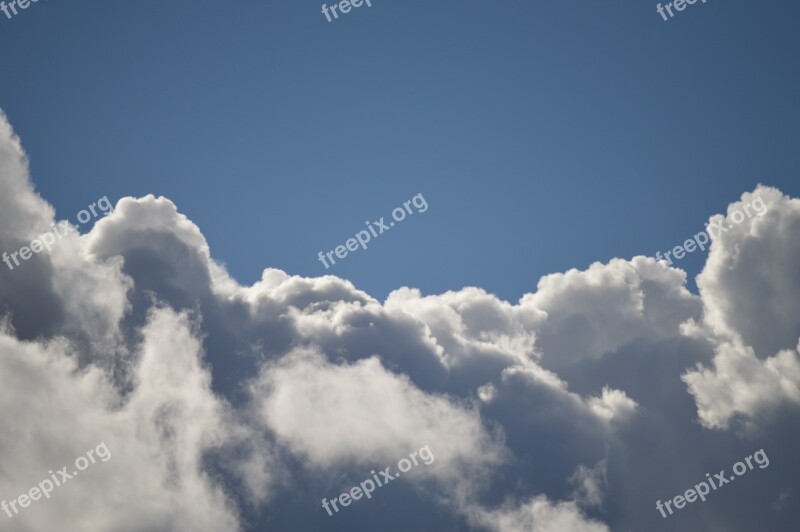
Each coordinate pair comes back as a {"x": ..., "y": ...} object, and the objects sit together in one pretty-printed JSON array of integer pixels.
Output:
[{"x": 238, "y": 408}]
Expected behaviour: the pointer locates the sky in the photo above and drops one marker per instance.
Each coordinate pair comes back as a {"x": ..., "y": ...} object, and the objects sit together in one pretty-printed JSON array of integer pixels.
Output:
[
  {"x": 515, "y": 336},
  {"x": 545, "y": 135}
]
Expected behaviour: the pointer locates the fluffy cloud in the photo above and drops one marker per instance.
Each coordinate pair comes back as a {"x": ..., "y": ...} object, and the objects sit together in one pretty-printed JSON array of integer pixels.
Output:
[
  {"x": 592, "y": 312},
  {"x": 750, "y": 281},
  {"x": 741, "y": 384},
  {"x": 539, "y": 515},
  {"x": 54, "y": 411},
  {"x": 230, "y": 407},
  {"x": 749, "y": 288},
  {"x": 362, "y": 413}
]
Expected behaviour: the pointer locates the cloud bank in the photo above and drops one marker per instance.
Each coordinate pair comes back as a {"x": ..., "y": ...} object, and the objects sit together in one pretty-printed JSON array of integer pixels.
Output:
[{"x": 238, "y": 408}]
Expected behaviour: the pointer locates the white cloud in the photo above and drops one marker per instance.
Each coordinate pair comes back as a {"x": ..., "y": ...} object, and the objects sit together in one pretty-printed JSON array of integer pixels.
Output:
[
  {"x": 749, "y": 288},
  {"x": 592, "y": 312},
  {"x": 361, "y": 413},
  {"x": 229, "y": 406},
  {"x": 157, "y": 436},
  {"x": 613, "y": 405},
  {"x": 740, "y": 383},
  {"x": 538, "y": 515}
]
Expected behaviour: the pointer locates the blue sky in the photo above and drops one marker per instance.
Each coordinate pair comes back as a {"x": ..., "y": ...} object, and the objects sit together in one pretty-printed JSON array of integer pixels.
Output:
[{"x": 544, "y": 135}]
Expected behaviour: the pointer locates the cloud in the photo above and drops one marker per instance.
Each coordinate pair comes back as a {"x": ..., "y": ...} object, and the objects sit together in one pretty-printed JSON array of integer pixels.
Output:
[
  {"x": 361, "y": 413},
  {"x": 613, "y": 405},
  {"x": 593, "y": 312},
  {"x": 741, "y": 384},
  {"x": 539, "y": 515},
  {"x": 750, "y": 282},
  {"x": 54, "y": 411},
  {"x": 751, "y": 313},
  {"x": 590, "y": 483},
  {"x": 231, "y": 407}
]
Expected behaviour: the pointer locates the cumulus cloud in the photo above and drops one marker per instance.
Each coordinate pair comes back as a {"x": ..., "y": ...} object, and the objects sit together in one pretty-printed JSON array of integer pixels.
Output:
[
  {"x": 741, "y": 384},
  {"x": 750, "y": 280},
  {"x": 231, "y": 407},
  {"x": 362, "y": 413},
  {"x": 749, "y": 288},
  {"x": 539, "y": 515},
  {"x": 55, "y": 410},
  {"x": 612, "y": 405}
]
